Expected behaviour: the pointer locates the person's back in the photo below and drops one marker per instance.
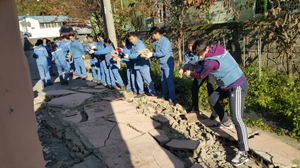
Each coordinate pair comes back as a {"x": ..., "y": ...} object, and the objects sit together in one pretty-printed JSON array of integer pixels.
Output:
[
  {"x": 76, "y": 49},
  {"x": 60, "y": 54},
  {"x": 41, "y": 54}
]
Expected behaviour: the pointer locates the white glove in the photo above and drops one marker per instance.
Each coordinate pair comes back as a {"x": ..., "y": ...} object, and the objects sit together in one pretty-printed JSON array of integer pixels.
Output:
[
  {"x": 180, "y": 72},
  {"x": 147, "y": 55},
  {"x": 193, "y": 62},
  {"x": 150, "y": 54},
  {"x": 83, "y": 57},
  {"x": 93, "y": 47},
  {"x": 187, "y": 73},
  {"x": 91, "y": 51},
  {"x": 126, "y": 56}
]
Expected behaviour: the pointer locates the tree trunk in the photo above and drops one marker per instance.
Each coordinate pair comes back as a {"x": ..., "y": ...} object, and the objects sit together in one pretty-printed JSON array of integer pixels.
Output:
[
  {"x": 290, "y": 62},
  {"x": 180, "y": 40},
  {"x": 179, "y": 46}
]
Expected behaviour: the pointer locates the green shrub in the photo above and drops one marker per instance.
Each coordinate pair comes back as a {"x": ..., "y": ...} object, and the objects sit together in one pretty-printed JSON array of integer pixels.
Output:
[{"x": 277, "y": 96}]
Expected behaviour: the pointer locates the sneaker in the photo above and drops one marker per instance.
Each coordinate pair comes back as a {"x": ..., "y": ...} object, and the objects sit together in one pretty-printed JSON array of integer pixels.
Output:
[
  {"x": 165, "y": 98},
  {"x": 172, "y": 103},
  {"x": 240, "y": 158},
  {"x": 226, "y": 125},
  {"x": 113, "y": 88}
]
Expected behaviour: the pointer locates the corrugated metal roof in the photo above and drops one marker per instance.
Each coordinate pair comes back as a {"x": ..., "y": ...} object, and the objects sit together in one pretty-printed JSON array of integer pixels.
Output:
[{"x": 48, "y": 19}]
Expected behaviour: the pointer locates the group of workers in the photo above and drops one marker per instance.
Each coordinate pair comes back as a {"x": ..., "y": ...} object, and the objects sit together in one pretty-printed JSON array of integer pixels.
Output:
[{"x": 212, "y": 63}]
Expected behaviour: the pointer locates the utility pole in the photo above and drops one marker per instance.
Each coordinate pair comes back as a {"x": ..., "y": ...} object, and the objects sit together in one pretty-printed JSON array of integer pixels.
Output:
[{"x": 109, "y": 21}]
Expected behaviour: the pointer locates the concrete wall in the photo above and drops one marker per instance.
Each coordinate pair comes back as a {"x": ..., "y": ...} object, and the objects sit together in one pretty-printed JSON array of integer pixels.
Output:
[
  {"x": 217, "y": 14},
  {"x": 19, "y": 143}
]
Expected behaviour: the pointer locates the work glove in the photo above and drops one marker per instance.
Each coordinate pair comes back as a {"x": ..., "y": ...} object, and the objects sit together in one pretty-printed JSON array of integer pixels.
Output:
[
  {"x": 119, "y": 49},
  {"x": 91, "y": 52},
  {"x": 93, "y": 47},
  {"x": 126, "y": 56},
  {"x": 180, "y": 72},
  {"x": 147, "y": 55},
  {"x": 187, "y": 73}
]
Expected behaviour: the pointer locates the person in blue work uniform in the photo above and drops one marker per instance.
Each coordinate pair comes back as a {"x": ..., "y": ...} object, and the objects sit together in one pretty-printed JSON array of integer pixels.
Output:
[
  {"x": 45, "y": 41},
  {"x": 130, "y": 71},
  {"x": 141, "y": 66},
  {"x": 46, "y": 44},
  {"x": 210, "y": 80},
  {"x": 40, "y": 54},
  {"x": 163, "y": 52},
  {"x": 77, "y": 53},
  {"x": 232, "y": 84},
  {"x": 59, "y": 55},
  {"x": 91, "y": 44},
  {"x": 111, "y": 64},
  {"x": 103, "y": 73},
  {"x": 65, "y": 44},
  {"x": 57, "y": 41}
]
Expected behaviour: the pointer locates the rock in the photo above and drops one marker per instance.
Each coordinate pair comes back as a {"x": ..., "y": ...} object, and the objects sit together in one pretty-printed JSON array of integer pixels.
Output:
[
  {"x": 71, "y": 101},
  {"x": 192, "y": 117},
  {"x": 160, "y": 136},
  {"x": 90, "y": 162},
  {"x": 196, "y": 166},
  {"x": 91, "y": 84},
  {"x": 184, "y": 148}
]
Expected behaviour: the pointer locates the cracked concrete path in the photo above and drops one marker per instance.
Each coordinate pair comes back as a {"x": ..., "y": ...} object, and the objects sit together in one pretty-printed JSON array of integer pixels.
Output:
[{"x": 124, "y": 136}]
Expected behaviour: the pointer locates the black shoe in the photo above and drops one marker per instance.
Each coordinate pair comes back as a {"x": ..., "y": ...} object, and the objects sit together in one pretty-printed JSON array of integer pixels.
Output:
[
  {"x": 192, "y": 108},
  {"x": 78, "y": 78},
  {"x": 49, "y": 83},
  {"x": 65, "y": 83},
  {"x": 212, "y": 117}
]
